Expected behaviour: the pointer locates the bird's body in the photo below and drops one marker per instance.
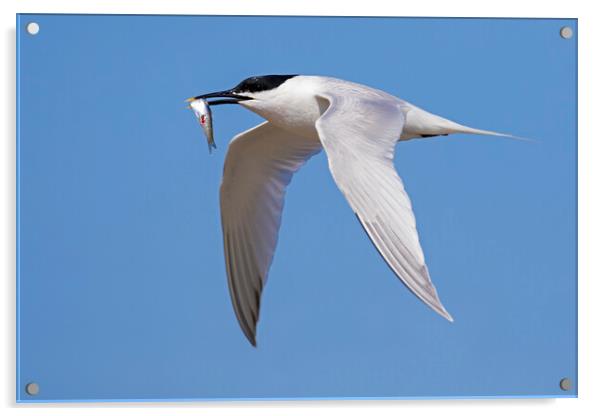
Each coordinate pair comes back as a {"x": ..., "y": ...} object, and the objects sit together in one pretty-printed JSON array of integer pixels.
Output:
[
  {"x": 296, "y": 107},
  {"x": 358, "y": 127}
]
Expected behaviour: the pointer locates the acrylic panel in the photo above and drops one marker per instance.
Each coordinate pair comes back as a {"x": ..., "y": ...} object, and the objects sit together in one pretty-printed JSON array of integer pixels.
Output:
[{"x": 123, "y": 290}]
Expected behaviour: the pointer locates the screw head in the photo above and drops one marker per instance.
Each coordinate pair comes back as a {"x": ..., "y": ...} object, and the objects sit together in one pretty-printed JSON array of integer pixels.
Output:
[
  {"x": 565, "y": 384},
  {"x": 566, "y": 32},
  {"x": 32, "y": 389},
  {"x": 32, "y": 28}
]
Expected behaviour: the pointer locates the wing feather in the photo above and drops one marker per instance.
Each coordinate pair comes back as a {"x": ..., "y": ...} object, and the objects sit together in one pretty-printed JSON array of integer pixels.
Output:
[
  {"x": 259, "y": 165},
  {"x": 359, "y": 136}
]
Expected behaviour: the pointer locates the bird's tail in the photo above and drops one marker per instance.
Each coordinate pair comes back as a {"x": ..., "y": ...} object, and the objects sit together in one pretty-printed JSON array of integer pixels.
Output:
[
  {"x": 424, "y": 124},
  {"x": 458, "y": 128}
]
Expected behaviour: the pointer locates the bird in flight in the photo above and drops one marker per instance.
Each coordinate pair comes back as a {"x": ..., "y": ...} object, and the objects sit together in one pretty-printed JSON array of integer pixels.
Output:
[{"x": 358, "y": 128}]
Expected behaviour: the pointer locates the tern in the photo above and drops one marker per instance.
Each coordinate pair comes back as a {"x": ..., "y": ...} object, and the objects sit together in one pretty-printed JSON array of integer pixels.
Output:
[{"x": 358, "y": 128}]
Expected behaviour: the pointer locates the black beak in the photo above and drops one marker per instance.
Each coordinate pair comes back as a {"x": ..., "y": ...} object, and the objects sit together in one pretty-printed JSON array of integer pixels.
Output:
[{"x": 228, "y": 97}]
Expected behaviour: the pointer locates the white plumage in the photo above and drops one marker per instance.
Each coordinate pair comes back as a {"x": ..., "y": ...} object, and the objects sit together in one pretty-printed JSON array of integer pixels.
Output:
[{"x": 358, "y": 127}]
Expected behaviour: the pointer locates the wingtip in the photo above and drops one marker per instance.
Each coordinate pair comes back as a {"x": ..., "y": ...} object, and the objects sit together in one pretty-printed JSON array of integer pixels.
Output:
[
  {"x": 250, "y": 335},
  {"x": 446, "y": 315},
  {"x": 436, "y": 305},
  {"x": 440, "y": 309},
  {"x": 252, "y": 341}
]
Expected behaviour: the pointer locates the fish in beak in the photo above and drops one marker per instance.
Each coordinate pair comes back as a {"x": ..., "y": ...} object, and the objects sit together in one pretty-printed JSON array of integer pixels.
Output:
[{"x": 202, "y": 111}]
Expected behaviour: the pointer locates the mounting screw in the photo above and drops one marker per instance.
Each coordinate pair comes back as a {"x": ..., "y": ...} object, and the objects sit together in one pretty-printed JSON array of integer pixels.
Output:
[
  {"x": 33, "y": 28},
  {"x": 565, "y": 384},
  {"x": 32, "y": 389},
  {"x": 566, "y": 32}
]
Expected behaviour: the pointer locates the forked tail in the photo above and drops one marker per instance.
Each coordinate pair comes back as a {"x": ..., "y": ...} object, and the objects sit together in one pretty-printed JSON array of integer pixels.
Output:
[
  {"x": 458, "y": 128},
  {"x": 420, "y": 123}
]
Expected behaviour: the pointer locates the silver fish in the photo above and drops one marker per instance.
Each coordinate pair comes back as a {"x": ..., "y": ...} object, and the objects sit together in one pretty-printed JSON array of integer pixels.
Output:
[{"x": 203, "y": 114}]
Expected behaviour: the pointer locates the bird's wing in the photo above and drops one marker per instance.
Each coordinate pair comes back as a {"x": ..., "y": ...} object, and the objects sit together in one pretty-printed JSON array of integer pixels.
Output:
[
  {"x": 259, "y": 165},
  {"x": 359, "y": 136}
]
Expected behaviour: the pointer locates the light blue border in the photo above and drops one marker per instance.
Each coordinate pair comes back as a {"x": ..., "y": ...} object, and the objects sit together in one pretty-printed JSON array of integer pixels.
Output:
[
  {"x": 304, "y": 399},
  {"x": 17, "y": 213},
  {"x": 32, "y": 400}
]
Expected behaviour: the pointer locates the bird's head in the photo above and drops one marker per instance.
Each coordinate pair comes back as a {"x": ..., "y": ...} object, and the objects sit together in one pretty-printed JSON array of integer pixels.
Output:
[{"x": 258, "y": 88}]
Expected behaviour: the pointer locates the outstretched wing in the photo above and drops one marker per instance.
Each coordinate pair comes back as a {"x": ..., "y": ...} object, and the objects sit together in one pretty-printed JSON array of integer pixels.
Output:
[
  {"x": 259, "y": 165},
  {"x": 359, "y": 136}
]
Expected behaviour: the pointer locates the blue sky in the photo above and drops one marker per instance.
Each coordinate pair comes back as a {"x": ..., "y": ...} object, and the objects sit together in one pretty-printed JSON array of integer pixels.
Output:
[{"x": 122, "y": 287}]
